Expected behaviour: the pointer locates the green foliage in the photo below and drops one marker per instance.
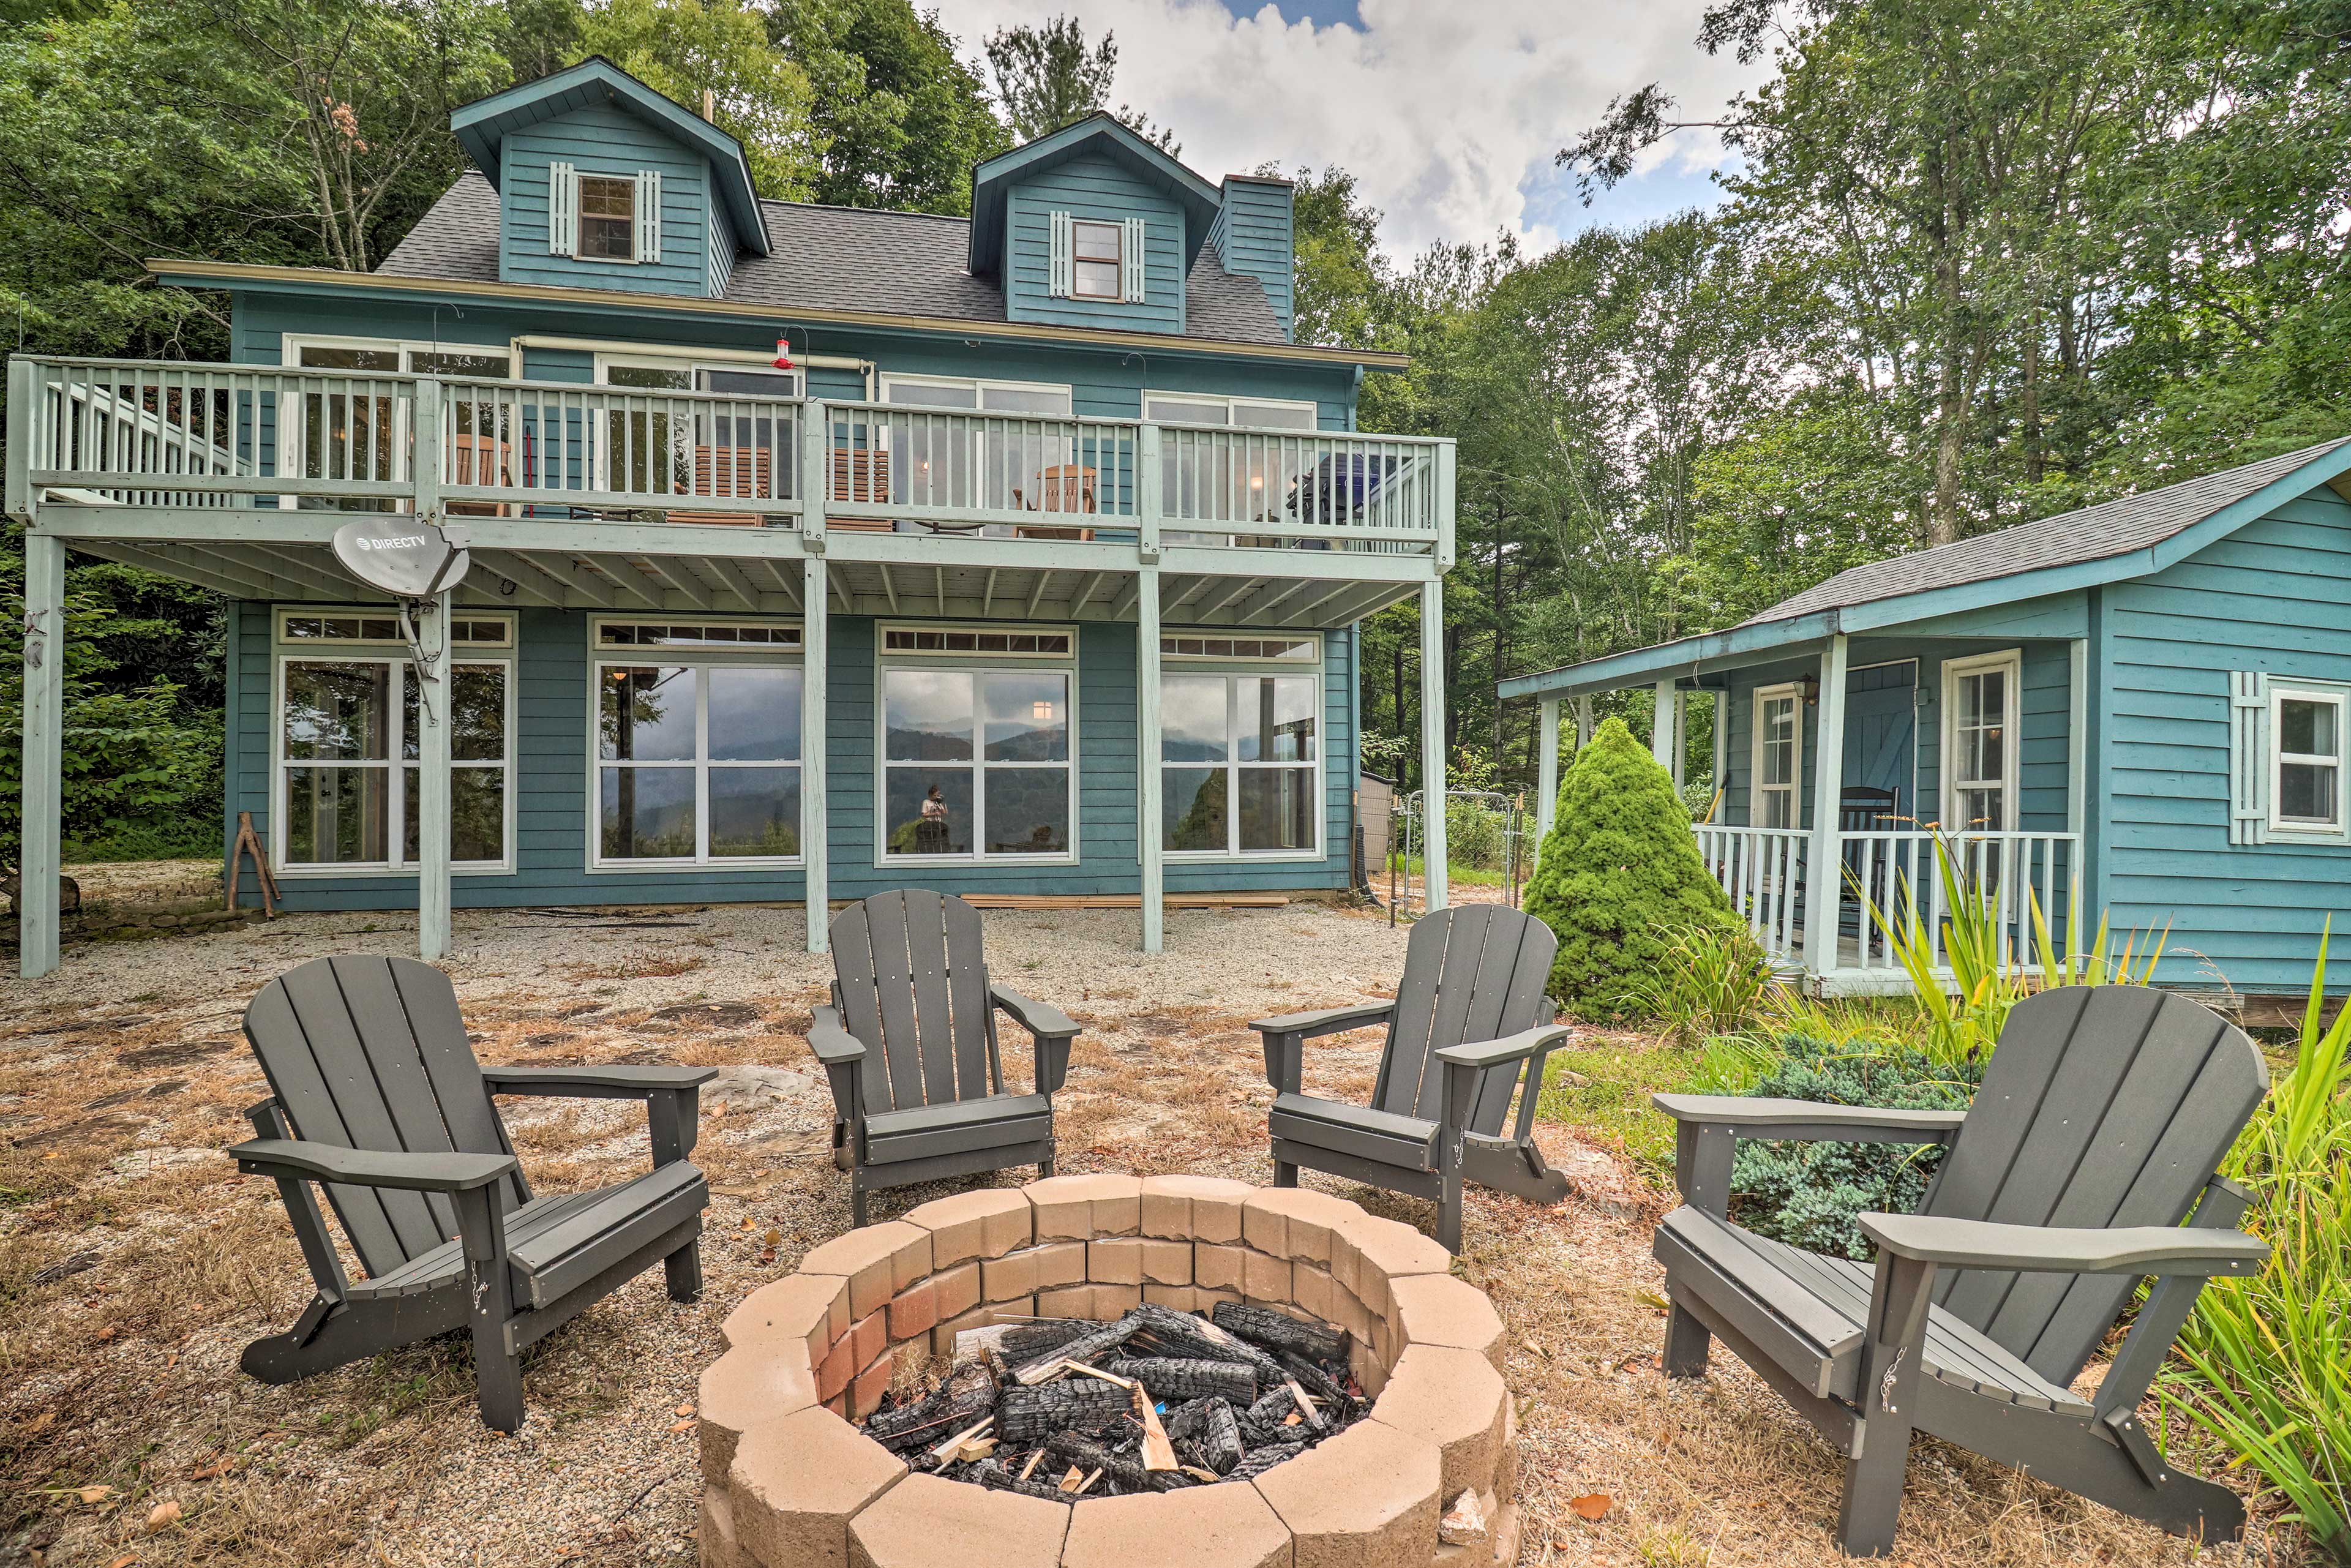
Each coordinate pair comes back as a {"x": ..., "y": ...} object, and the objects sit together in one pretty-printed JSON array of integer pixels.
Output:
[
  {"x": 685, "y": 47},
  {"x": 1714, "y": 981},
  {"x": 2271, "y": 1351},
  {"x": 1618, "y": 876},
  {"x": 1602, "y": 1089},
  {"x": 1807, "y": 1194}
]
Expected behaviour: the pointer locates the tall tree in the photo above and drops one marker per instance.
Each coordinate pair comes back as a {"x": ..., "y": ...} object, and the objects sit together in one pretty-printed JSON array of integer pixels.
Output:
[
  {"x": 1047, "y": 77},
  {"x": 686, "y": 48},
  {"x": 901, "y": 116}
]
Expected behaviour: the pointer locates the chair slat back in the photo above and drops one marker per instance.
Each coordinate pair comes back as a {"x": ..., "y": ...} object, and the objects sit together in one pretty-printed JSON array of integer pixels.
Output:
[
  {"x": 1471, "y": 973},
  {"x": 912, "y": 984},
  {"x": 2102, "y": 1107},
  {"x": 368, "y": 1052}
]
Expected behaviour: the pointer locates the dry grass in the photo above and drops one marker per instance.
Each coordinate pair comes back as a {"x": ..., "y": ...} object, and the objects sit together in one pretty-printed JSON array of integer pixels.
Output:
[{"x": 117, "y": 1368}]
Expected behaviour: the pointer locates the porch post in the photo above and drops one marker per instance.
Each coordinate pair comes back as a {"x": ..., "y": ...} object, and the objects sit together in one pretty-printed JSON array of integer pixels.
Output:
[
  {"x": 1582, "y": 722},
  {"x": 1721, "y": 745},
  {"x": 1432, "y": 744},
  {"x": 2077, "y": 737},
  {"x": 1662, "y": 731},
  {"x": 1546, "y": 775},
  {"x": 43, "y": 797},
  {"x": 815, "y": 616},
  {"x": 1147, "y": 758},
  {"x": 1823, "y": 868},
  {"x": 436, "y": 685}
]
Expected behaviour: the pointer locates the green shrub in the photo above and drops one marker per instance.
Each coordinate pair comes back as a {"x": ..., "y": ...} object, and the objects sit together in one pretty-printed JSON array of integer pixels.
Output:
[
  {"x": 1713, "y": 982},
  {"x": 1807, "y": 1194},
  {"x": 1618, "y": 876},
  {"x": 2274, "y": 1380}
]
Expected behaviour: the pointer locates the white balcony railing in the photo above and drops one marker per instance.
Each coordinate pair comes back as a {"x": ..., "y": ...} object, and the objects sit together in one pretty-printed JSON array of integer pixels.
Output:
[
  {"x": 161, "y": 433},
  {"x": 1766, "y": 871}
]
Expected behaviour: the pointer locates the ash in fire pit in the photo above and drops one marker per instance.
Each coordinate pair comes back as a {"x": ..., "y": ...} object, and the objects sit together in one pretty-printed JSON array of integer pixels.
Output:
[{"x": 1155, "y": 1402}]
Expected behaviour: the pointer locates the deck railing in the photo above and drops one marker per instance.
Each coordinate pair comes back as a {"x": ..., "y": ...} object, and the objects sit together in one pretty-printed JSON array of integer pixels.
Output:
[
  {"x": 1766, "y": 871},
  {"x": 167, "y": 433}
]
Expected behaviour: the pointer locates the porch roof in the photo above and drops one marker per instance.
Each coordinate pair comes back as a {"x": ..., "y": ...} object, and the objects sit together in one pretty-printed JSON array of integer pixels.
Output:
[{"x": 2111, "y": 542}]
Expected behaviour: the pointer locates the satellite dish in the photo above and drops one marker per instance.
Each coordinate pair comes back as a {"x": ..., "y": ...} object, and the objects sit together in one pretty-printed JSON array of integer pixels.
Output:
[{"x": 402, "y": 554}]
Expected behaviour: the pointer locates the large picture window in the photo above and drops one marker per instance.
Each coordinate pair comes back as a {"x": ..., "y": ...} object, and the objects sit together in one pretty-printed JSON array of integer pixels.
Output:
[
  {"x": 349, "y": 739},
  {"x": 356, "y": 431},
  {"x": 976, "y": 758},
  {"x": 697, "y": 743},
  {"x": 1240, "y": 763}
]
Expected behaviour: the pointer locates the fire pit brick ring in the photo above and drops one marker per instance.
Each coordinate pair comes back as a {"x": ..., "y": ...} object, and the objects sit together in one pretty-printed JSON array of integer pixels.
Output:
[{"x": 789, "y": 1483}]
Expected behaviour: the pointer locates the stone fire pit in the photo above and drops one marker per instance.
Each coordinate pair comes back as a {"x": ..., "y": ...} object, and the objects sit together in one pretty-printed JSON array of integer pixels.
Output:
[{"x": 790, "y": 1483}]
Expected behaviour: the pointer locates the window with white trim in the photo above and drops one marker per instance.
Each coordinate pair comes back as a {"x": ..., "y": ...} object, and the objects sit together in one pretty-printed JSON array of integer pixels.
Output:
[
  {"x": 746, "y": 453},
  {"x": 978, "y": 751},
  {"x": 2307, "y": 757},
  {"x": 1240, "y": 760},
  {"x": 1779, "y": 758},
  {"x": 348, "y": 742},
  {"x": 352, "y": 430},
  {"x": 1979, "y": 726},
  {"x": 1096, "y": 253},
  {"x": 608, "y": 218},
  {"x": 697, "y": 743}
]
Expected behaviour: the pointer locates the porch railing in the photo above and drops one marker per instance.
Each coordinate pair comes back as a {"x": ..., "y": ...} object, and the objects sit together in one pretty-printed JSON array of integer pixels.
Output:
[
  {"x": 1766, "y": 871},
  {"x": 168, "y": 434}
]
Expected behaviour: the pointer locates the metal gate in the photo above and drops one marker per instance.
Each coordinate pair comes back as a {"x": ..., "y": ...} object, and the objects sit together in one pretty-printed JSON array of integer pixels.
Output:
[{"x": 1494, "y": 834}]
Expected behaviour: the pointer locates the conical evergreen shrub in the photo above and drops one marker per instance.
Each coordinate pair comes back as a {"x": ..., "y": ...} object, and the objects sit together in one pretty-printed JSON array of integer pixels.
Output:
[{"x": 1618, "y": 876}]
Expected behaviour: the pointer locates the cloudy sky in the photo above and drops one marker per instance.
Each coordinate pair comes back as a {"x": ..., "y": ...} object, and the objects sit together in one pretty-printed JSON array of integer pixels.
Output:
[{"x": 1448, "y": 111}]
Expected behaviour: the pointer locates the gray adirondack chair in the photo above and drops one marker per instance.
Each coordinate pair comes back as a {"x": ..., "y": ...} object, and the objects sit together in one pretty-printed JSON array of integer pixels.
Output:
[
  {"x": 909, "y": 1048},
  {"x": 1470, "y": 1025},
  {"x": 2104, "y": 1116},
  {"x": 375, "y": 1095}
]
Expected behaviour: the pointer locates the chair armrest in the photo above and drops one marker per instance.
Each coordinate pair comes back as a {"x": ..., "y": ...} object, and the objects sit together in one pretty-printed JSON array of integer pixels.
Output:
[
  {"x": 1512, "y": 1048},
  {"x": 1039, "y": 1018},
  {"x": 620, "y": 1082},
  {"x": 1811, "y": 1121},
  {"x": 2056, "y": 1249},
  {"x": 301, "y": 1161},
  {"x": 833, "y": 1044},
  {"x": 1328, "y": 1021}
]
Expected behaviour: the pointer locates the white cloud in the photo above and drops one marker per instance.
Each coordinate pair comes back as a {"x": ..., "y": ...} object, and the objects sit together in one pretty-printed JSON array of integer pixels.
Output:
[{"x": 1442, "y": 112}]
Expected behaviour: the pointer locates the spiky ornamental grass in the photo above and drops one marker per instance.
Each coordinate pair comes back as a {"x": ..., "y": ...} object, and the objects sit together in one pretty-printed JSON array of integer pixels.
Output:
[{"x": 1618, "y": 876}]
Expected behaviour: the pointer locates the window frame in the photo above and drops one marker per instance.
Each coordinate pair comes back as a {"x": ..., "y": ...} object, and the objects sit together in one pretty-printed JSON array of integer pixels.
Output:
[
  {"x": 1791, "y": 692},
  {"x": 2275, "y": 759},
  {"x": 601, "y": 658},
  {"x": 980, "y": 386},
  {"x": 1232, "y": 401},
  {"x": 664, "y": 357},
  {"x": 2010, "y": 660},
  {"x": 290, "y": 354},
  {"x": 975, "y": 665},
  {"x": 635, "y": 182},
  {"x": 394, "y": 652},
  {"x": 1230, "y": 669},
  {"x": 1116, "y": 262}
]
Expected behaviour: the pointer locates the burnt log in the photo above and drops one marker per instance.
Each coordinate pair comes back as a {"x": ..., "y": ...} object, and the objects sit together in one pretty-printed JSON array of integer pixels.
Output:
[
  {"x": 994, "y": 1474},
  {"x": 1220, "y": 1441},
  {"x": 1176, "y": 1377},
  {"x": 1171, "y": 1333},
  {"x": 1025, "y": 1342},
  {"x": 969, "y": 1394},
  {"x": 1127, "y": 1474},
  {"x": 1023, "y": 1416},
  {"x": 1281, "y": 1332},
  {"x": 1085, "y": 1347},
  {"x": 1259, "y": 1460}
]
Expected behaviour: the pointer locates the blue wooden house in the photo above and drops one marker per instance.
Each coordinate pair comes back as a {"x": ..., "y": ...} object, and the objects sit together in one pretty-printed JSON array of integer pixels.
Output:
[
  {"x": 2147, "y": 701},
  {"x": 815, "y": 551}
]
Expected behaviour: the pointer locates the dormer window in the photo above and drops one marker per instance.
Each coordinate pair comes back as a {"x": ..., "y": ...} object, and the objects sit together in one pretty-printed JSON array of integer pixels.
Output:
[
  {"x": 604, "y": 217},
  {"x": 608, "y": 218},
  {"x": 1098, "y": 260}
]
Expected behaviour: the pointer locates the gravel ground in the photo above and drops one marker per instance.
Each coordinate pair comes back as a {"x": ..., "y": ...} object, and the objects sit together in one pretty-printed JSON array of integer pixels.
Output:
[{"x": 134, "y": 1265}]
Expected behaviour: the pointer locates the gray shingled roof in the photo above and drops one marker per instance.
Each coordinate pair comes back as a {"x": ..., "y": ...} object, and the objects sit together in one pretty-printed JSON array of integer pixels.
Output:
[
  {"x": 2093, "y": 533},
  {"x": 834, "y": 258}
]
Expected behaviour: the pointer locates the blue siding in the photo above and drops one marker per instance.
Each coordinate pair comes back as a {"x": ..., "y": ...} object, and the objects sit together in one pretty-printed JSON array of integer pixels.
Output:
[
  {"x": 600, "y": 139},
  {"x": 1252, "y": 233},
  {"x": 551, "y": 787},
  {"x": 1092, "y": 187},
  {"x": 2269, "y": 596}
]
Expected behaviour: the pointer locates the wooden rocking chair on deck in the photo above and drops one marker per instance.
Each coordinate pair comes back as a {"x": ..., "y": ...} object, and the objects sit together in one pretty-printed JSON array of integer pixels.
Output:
[
  {"x": 376, "y": 1095},
  {"x": 2103, "y": 1119}
]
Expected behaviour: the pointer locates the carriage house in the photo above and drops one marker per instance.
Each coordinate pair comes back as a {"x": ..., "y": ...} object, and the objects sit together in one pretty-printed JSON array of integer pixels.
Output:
[
  {"x": 815, "y": 551},
  {"x": 2145, "y": 704}
]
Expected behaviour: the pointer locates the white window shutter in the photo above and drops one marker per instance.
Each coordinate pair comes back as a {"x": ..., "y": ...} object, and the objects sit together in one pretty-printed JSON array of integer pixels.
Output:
[
  {"x": 2248, "y": 759},
  {"x": 649, "y": 212},
  {"x": 1062, "y": 271},
  {"x": 562, "y": 210},
  {"x": 1132, "y": 281}
]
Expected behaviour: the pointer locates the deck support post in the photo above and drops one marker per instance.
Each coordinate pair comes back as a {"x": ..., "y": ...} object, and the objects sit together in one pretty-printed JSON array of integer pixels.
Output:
[
  {"x": 43, "y": 798},
  {"x": 1546, "y": 777},
  {"x": 1146, "y": 711},
  {"x": 1824, "y": 866},
  {"x": 1433, "y": 866},
  {"x": 815, "y": 616},
  {"x": 437, "y": 710}
]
